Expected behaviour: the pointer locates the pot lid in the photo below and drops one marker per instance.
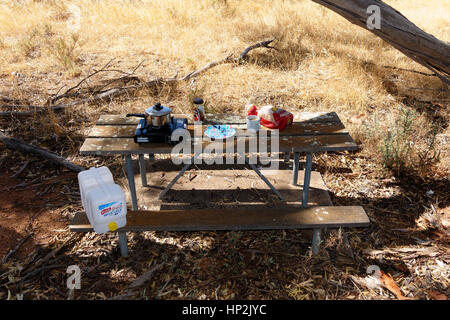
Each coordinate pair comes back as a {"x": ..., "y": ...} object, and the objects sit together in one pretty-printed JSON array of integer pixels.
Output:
[
  {"x": 158, "y": 110},
  {"x": 198, "y": 101}
]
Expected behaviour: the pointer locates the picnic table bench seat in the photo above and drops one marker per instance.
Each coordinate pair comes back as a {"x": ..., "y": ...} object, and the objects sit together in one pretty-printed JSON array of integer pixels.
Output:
[
  {"x": 236, "y": 219},
  {"x": 316, "y": 218}
]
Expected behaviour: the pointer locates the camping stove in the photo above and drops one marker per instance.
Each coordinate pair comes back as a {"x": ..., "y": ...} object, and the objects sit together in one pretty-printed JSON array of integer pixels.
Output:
[
  {"x": 157, "y": 125},
  {"x": 147, "y": 133}
]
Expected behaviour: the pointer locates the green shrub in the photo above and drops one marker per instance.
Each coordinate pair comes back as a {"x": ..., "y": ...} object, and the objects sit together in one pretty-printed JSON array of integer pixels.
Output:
[{"x": 409, "y": 144}]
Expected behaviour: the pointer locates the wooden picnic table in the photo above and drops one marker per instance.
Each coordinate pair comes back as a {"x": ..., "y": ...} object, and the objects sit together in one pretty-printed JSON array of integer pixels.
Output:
[{"x": 309, "y": 133}]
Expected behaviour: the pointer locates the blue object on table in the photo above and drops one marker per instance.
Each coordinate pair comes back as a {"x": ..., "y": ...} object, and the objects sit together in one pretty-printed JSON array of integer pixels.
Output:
[{"x": 220, "y": 131}]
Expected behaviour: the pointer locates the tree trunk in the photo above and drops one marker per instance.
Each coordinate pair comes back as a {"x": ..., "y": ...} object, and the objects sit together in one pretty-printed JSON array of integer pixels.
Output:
[{"x": 399, "y": 32}]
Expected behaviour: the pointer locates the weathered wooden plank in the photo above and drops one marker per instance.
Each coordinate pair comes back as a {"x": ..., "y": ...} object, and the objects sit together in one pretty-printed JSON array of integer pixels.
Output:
[
  {"x": 120, "y": 119},
  {"x": 212, "y": 118},
  {"x": 116, "y": 119},
  {"x": 303, "y": 117},
  {"x": 313, "y": 129},
  {"x": 317, "y": 143},
  {"x": 104, "y": 146},
  {"x": 99, "y": 146},
  {"x": 236, "y": 219},
  {"x": 116, "y": 131},
  {"x": 316, "y": 117},
  {"x": 296, "y": 129}
]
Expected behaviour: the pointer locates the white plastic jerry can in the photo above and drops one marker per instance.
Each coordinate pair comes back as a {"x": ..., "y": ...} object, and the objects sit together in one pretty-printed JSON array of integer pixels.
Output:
[{"x": 102, "y": 199}]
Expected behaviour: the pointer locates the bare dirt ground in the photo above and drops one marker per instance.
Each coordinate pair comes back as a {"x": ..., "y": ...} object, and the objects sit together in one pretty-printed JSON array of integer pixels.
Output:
[{"x": 25, "y": 209}]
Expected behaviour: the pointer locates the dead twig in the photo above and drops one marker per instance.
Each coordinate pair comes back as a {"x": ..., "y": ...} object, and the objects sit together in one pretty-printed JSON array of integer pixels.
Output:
[
  {"x": 160, "y": 291},
  {"x": 206, "y": 67},
  {"x": 65, "y": 94},
  {"x": 17, "y": 247},
  {"x": 12, "y": 100},
  {"x": 21, "y": 169},
  {"x": 141, "y": 280},
  {"x": 37, "y": 271},
  {"x": 128, "y": 75},
  {"x": 51, "y": 255},
  {"x": 228, "y": 59},
  {"x": 408, "y": 70},
  {"x": 264, "y": 44},
  {"x": 137, "y": 283},
  {"x": 108, "y": 94}
]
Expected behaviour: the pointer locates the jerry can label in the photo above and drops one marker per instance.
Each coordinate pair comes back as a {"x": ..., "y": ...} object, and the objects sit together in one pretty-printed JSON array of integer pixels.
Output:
[{"x": 110, "y": 209}]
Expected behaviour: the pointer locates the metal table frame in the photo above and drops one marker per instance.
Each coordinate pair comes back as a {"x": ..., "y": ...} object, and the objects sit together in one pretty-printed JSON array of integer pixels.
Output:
[{"x": 143, "y": 172}]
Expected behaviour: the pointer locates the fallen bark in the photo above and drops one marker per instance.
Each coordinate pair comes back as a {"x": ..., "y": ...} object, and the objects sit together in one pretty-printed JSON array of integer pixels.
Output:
[
  {"x": 405, "y": 252},
  {"x": 399, "y": 32},
  {"x": 16, "y": 144}
]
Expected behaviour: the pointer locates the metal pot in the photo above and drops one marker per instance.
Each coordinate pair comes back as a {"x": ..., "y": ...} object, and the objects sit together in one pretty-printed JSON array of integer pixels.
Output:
[{"x": 156, "y": 116}]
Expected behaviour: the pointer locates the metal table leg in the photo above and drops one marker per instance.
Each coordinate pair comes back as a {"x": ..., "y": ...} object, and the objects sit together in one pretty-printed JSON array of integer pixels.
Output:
[
  {"x": 295, "y": 168},
  {"x": 143, "y": 170},
  {"x": 151, "y": 156},
  {"x": 307, "y": 179},
  {"x": 316, "y": 241},
  {"x": 130, "y": 175},
  {"x": 123, "y": 245},
  {"x": 182, "y": 171},
  {"x": 263, "y": 178}
]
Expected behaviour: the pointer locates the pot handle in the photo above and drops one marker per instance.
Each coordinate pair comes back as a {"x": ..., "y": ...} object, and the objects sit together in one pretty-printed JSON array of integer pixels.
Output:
[{"x": 139, "y": 115}]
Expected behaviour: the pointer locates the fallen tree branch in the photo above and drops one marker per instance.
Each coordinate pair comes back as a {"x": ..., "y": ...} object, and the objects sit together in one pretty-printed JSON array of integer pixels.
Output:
[
  {"x": 107, "y": 94},
  {"x": 10, "y": 100},
  {"x": 264, "y": 44},
  {"x": 114, "y": 92},
  {"x": 228, "y": 59},
  {"x": 206, "y": 67},
  {"x": 16, "y": 144},
  {"x": 42, "y": 263},
  {"x": 68, "y": 93}
]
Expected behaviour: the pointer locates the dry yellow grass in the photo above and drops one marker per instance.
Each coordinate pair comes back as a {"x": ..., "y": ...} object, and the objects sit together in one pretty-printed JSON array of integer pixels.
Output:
[{"x": 322, "y": 63}]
